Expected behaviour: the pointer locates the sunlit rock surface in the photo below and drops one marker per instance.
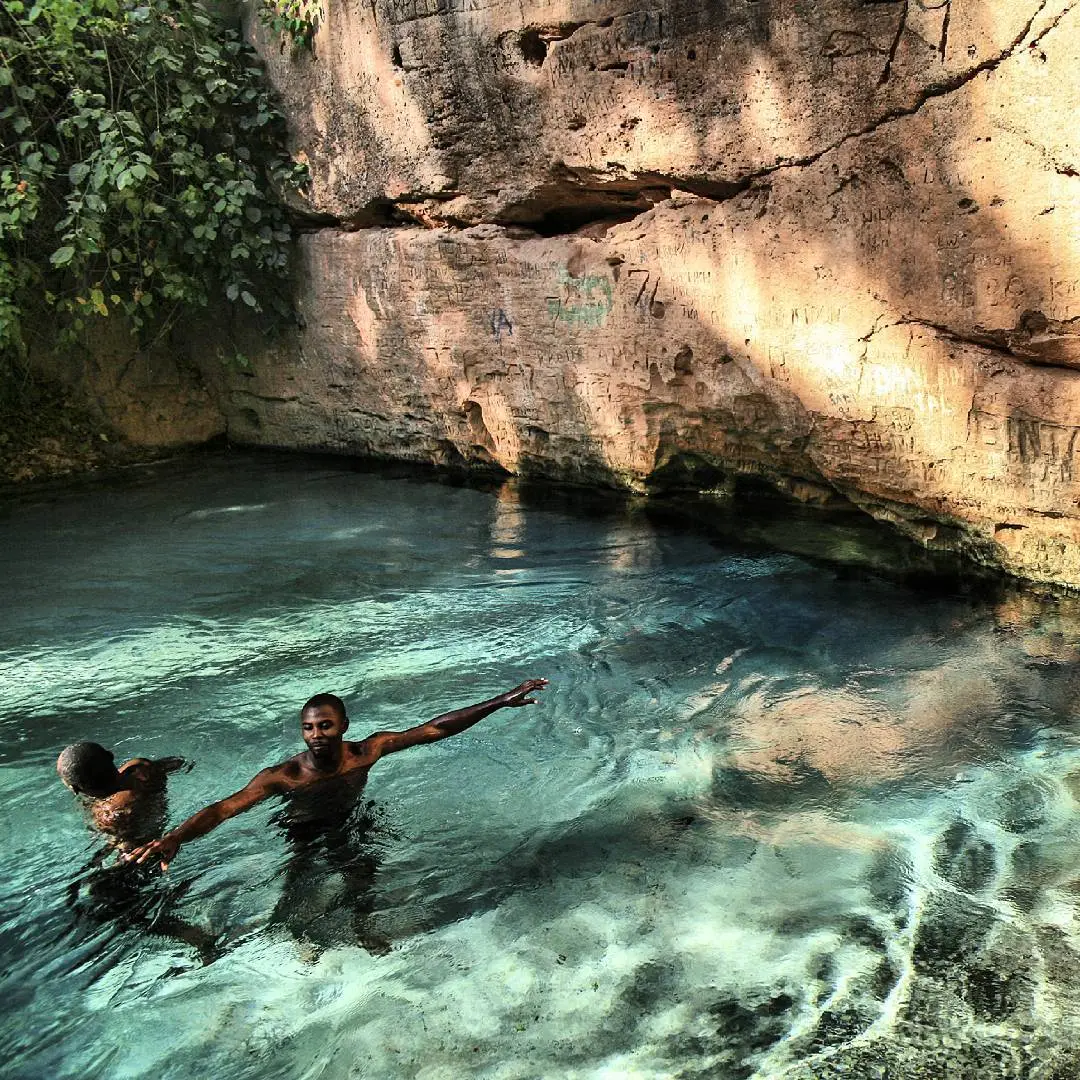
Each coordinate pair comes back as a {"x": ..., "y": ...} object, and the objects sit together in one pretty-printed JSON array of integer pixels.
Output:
[{"x": 834, "y": 245}]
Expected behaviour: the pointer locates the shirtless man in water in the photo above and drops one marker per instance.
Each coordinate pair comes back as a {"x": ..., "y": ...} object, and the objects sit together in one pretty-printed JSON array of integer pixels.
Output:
[
  {"x": 328, "y": 757},
  {"x": 126, "y": 805}
]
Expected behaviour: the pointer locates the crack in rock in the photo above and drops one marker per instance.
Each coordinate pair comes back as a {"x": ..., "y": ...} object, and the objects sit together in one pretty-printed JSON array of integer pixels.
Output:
[{"x": 1035, "y": 339}]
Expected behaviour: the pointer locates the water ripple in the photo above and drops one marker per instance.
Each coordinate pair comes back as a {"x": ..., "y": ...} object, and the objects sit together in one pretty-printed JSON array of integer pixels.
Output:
[{"x": 766, "y": 822}]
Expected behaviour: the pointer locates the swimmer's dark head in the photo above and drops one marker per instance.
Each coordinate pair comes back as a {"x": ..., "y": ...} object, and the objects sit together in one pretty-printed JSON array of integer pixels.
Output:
[
  {"x": 88, "y": 769},
  {"x": 320, "y": 701}
]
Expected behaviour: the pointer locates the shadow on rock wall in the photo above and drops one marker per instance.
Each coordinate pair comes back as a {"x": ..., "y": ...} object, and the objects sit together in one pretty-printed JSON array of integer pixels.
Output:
[{"x": 828, "y": 247}]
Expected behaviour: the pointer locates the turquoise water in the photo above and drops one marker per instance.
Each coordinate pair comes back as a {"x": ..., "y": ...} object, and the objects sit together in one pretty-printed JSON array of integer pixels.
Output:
[{"x": 770, "y": 819}]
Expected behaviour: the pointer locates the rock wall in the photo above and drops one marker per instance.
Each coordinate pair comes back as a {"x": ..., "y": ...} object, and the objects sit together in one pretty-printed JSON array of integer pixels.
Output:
[
  {"x": 833, "y": 244},
  {"x": 166, "y": 395}
]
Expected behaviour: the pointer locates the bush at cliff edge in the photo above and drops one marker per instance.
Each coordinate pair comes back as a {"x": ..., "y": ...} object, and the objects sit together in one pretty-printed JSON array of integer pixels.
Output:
[{"x": 141, "y": 165}]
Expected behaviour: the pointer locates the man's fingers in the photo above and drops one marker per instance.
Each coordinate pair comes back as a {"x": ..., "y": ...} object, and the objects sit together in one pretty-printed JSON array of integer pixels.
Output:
[
  {"x": 139, "y": 855},
  {"x": 517, "y": 696}
]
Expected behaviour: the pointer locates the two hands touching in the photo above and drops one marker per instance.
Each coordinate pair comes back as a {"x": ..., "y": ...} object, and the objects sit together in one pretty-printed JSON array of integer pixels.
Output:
[{"x": 163, "y": 850}]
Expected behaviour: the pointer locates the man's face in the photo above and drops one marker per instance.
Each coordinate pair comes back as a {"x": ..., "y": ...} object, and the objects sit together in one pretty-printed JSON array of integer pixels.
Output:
[{"x": 322, "y": 728}]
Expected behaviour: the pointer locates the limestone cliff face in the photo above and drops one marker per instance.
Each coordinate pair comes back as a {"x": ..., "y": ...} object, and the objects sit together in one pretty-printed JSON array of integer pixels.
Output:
[{"x": 834, "y": 244}]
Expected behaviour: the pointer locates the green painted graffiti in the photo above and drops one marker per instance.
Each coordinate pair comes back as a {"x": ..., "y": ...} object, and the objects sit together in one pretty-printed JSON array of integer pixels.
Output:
[{"x": 584, "y": 301}]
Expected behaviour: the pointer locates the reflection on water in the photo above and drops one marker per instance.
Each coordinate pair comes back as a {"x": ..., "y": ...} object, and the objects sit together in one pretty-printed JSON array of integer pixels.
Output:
[
  {"x": 771, "y": 819},
  {"x": 107, "y": 898}
]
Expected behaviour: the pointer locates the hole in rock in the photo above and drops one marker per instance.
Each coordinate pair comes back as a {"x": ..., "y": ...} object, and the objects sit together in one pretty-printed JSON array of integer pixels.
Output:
[
  {"x": 535, "y": 41},
  {"x": 533, "y": 47}
]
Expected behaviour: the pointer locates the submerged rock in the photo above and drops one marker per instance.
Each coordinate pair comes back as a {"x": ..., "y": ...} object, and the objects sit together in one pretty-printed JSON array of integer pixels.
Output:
[
  {"x": 1022, "y": 807},
  {"x": 964, "y": 859}
]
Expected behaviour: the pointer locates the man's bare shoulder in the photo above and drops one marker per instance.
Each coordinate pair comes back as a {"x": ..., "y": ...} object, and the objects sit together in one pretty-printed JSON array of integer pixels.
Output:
[
  {"x": 296, "y": 772},
  {"x": 286, "y": 772},
  {"x": 360, "y": 754},
  {"x": 145, "y": 773}
]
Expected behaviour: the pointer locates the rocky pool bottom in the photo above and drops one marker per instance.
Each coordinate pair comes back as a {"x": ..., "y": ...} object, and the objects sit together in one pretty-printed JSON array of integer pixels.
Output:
[{"x": 773, "y": 818}]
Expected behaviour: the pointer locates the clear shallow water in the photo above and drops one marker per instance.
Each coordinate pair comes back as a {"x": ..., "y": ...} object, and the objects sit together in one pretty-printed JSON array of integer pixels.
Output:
[{"x": 770, "y": 820}]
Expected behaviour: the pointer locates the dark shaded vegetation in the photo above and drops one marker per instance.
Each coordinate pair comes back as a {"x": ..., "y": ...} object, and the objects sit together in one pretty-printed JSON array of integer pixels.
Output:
[
  {"x": 141, "y": 162},
  {"x": 45, "y": 433}
]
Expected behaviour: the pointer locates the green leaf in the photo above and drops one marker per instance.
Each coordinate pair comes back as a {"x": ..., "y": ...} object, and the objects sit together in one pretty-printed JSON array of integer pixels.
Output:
[
  {"x": 62, "y": 256},
  {"x": 78, "y": 173},
  {"x": 247, "y": 298}
]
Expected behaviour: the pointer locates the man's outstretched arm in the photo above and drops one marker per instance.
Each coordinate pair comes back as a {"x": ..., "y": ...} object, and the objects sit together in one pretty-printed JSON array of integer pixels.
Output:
[
  {"x": 261, "y": 786},
  {"x": 453, "y": 723}
]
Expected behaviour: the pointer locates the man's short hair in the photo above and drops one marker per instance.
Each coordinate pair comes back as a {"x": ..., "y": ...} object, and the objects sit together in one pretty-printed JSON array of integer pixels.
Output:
[
  {"x": 319, "y": 700},
  {"x": 87, "y": 768}
]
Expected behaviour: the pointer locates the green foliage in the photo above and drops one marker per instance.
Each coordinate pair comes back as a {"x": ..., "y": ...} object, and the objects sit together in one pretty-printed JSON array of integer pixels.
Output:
[
  {"x": 295, "y": 19},
  {"x": 140, "y": 163}
]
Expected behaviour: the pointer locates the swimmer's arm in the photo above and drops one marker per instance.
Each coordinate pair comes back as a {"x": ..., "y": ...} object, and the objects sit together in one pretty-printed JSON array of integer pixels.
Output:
[
  {"x": 451, "y": 723},
  {"x": 263, "y": 785},
  {"x": 161, "y": 765},
  {"x": 155, "y": 773},
  {"x": 174, "y": 764}
]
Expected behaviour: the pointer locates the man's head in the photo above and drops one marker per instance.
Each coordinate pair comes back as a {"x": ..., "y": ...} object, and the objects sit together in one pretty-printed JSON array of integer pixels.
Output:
[
  {"x": 88, "y": 769},
  {"x": 323, "y": 723}
]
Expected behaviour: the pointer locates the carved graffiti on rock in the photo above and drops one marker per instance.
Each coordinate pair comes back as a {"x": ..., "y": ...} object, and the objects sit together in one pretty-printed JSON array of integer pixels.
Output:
[{"x": 583, "y": 300}]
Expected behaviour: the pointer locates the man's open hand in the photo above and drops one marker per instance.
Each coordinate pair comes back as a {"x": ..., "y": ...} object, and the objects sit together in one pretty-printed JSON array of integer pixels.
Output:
[
  {"x": 164, "y": 850},
  {"x": 520, "y": 694}
]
